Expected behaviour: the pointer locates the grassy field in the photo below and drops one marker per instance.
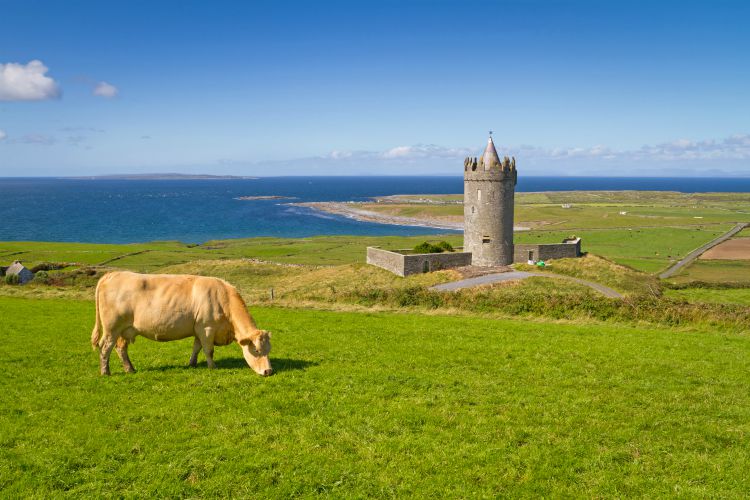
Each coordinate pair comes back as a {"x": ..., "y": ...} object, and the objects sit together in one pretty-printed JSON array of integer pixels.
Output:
[
  {"x": 739, "y": 296},
  {"x": 715, "y": 271},
  {"x": 384, "y": 405},
  {"x": 645, "y": 249},
  {"x": 318, "y": 250},
  {"x": 590, "y": 209}
]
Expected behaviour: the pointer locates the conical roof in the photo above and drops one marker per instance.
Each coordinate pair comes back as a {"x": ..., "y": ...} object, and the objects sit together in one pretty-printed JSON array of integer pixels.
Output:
[{"x": 490, "y": 154}]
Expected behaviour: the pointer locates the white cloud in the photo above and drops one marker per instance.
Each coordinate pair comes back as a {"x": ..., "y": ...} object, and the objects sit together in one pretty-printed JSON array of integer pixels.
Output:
[
  {"x": 576, "y": 160},
  {"x": 41, "y": 139},
  {"x": 3, "y": 135},
  {"x": 104, "y": 89},
  {"x": 424, "y": 151},
  {"x": 28, "y": 82},
  {"x": 736, "y": 147}
]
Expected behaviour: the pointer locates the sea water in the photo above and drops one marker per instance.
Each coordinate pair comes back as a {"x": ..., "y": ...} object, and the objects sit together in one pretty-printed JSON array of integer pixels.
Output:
[{"x": 194, "y": 211}]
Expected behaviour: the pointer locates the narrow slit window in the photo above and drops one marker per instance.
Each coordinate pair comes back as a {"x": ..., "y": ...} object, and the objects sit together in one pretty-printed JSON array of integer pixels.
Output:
[
  {"x": 486, "y": 239},
  {"x": 479, "y": 195}
]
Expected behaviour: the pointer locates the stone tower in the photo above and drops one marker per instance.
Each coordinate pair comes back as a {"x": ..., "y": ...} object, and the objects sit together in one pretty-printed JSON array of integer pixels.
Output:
[{"x": 489, "y": 187}]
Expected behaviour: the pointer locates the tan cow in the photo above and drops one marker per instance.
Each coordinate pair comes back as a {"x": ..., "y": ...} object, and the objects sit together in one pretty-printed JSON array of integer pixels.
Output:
[{"x": 166, "y": 307}]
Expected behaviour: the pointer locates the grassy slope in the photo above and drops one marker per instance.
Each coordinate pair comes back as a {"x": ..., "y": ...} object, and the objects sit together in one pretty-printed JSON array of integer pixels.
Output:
[{"x": 378, "y": 405}]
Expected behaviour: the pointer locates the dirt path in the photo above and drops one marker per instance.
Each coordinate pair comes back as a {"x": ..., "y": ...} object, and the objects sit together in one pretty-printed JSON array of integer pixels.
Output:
[
  {"x": 520, "y": 275},
  {"x": 698, "y": 251}
]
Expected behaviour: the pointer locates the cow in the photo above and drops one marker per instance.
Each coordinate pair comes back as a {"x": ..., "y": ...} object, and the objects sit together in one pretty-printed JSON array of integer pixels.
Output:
[{"x": 166, "y": 307}]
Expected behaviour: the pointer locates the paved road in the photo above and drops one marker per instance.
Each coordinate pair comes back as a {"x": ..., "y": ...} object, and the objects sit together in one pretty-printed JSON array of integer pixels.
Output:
[
  {"x": 519, "y": 275},
  {"x": 698, "y": 251}
]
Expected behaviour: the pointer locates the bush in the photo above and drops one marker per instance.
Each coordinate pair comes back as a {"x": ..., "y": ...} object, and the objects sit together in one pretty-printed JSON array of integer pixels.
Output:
[
  {"x": 426, "y": 247},
  {"x": 11, "y": 279},
  {"x": 522, "y": 301},
  {"x": 41, "y": 276},
  {"x": 445, "y": 246}
]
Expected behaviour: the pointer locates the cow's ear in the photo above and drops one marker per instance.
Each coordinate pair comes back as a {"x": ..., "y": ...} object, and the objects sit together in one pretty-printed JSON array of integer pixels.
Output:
[{"x": 245, "y": 341}]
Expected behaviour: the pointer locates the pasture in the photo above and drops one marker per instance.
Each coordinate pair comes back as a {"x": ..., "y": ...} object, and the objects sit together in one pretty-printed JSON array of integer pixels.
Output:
[{"x": 376, "y": 404}]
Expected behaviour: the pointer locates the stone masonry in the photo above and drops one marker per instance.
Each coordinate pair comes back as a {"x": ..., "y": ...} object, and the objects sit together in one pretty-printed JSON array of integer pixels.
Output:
[
  {"x": 567, "y": 249},
  {"x": 403, "y": 264},
  {"x": 489, "y": 189}
]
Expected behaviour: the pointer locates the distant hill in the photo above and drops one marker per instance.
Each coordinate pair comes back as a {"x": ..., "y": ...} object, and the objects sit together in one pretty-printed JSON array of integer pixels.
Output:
[{"x": 167, "y": 176}]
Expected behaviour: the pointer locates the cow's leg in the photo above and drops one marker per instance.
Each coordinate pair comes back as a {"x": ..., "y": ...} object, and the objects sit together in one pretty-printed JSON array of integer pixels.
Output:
[
  {"x": 108, "y": 342},
  {"x": 196, "y": 350},
  {"x": 122, "y": 350},
  {"x": 206, "y": 337}
]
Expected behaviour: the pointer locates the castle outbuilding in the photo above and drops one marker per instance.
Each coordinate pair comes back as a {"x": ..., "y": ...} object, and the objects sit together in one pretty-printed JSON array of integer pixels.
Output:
[{"x": 489, "y": 189}]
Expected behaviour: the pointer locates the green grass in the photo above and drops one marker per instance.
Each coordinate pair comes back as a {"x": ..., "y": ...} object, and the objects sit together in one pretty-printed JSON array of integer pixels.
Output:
[
  {"x": 739, "y": 296},
  {"x": 383, "y": 405},
  {"x": 715, "y": 271},
  {"x": 148, "y": 257},
  {"x": 644, "y": 249},
  {"x": 594, "y": 209}
]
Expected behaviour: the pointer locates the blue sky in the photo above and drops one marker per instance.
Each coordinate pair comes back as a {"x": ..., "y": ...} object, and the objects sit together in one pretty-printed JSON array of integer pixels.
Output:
[{"x": 386, "y": 87}]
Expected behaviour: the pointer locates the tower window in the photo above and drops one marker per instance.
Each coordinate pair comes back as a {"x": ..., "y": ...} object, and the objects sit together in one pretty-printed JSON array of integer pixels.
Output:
[
  {"x": 473, "y": 209},
  {"x": 486, "y": 239},
  {"x": 479, "y": 195}
]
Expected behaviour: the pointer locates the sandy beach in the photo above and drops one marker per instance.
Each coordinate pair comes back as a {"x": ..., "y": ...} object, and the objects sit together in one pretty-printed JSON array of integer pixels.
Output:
[{"x": 352, "y": 210}]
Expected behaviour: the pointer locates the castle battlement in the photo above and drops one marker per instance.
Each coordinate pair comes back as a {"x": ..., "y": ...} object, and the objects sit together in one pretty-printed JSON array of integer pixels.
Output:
[{"x": 491, "y": 163}]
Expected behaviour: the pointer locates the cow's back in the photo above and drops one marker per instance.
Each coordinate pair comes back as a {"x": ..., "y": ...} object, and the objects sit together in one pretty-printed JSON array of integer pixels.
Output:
[{"x": 160, "y": 306}]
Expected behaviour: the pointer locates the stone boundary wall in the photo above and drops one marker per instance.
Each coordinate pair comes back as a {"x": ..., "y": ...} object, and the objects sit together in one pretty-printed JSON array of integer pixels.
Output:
[
  {"x": 406, "y": 264},
  {"x": 566, "y": 249}
]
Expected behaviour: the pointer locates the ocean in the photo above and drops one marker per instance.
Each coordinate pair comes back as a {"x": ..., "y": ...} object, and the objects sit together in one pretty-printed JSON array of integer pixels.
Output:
[{"x": 195, "y": 211}]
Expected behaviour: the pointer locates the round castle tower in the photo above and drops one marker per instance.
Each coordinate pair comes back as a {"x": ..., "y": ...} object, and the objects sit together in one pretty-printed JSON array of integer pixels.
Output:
[{"x": 489, "y": 188}]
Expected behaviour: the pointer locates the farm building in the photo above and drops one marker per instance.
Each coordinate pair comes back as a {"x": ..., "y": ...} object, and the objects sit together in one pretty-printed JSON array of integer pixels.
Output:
[{"x": 24, "y": 275}]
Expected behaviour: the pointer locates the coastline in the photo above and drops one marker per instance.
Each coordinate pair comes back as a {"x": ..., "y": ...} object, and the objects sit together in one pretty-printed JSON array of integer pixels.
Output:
[{"x": 349, "y": 210}]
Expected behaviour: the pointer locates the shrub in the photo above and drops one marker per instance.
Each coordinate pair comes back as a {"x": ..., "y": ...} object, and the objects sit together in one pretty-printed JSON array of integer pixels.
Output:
[
  {"x": 11, "y": 279},
  {"x": 445, "y": 246},
  {"x": 426, "y": 247},
  {"x": 41, "y": 277}
]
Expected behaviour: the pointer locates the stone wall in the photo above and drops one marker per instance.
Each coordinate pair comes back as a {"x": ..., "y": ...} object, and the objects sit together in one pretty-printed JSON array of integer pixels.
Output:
[
  {"x": 405, "y": 264},
  {"x": 567, "y": 249},
  {"x": 488, "y": 215},
  {"x": 390, "y": 261}
]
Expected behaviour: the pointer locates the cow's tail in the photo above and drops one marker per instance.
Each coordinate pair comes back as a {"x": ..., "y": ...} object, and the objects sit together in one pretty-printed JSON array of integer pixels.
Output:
[{"x": 96, "y": 333}]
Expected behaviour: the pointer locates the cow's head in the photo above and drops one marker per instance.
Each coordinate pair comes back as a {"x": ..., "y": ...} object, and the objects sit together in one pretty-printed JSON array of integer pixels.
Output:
[{"x": 255, "y": 349}]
